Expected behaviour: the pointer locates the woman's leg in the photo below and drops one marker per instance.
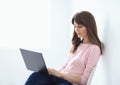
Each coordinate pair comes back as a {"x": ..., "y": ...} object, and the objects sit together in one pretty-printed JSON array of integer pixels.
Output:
[
  {"x": 63, "y": 83},
  {"x": 59, "y": 81},
  {"x": 38, "y": 79}
]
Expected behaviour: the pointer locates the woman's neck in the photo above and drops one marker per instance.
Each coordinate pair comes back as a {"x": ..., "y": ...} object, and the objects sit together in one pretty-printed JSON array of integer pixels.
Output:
[{"x": 86, "y": 40}]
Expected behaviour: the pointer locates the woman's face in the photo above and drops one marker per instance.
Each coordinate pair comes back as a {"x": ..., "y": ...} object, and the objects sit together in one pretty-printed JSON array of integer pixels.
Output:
[{"x": 80, "y": 30}]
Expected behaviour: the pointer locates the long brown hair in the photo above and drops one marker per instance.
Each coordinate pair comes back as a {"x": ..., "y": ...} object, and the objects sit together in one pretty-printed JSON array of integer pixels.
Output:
[{"x": 87, "y": 19}]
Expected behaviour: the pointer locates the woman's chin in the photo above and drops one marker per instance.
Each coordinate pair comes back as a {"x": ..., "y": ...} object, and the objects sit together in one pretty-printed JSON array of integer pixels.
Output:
[{"x": 79, "y": 36}]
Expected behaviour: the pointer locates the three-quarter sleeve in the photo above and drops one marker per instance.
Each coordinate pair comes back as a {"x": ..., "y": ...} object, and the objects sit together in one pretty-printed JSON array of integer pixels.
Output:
[{"x": 92, "y": 60}]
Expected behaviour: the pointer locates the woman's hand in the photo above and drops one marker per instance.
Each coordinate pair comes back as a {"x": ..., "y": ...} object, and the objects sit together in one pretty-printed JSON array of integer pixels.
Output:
[{"x": 54, "y": 72}]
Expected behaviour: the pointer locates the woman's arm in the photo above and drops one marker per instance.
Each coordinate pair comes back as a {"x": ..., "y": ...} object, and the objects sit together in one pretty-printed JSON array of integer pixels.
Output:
[
  {"x": 92, "y": 60},
  {"x": 69, "y": 77}
]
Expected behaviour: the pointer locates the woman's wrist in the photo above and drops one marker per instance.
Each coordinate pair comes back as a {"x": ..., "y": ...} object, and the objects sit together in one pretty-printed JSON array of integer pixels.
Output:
[{"x": 61, "y": 75}]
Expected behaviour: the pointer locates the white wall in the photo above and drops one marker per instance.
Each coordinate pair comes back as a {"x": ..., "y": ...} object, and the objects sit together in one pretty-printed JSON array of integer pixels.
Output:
[
  {"x": 21, "y": 23},
  {"x": 60, "y": 32},
  {"x": 112, "y": 40},
  {"x": 38, "y": 25}
]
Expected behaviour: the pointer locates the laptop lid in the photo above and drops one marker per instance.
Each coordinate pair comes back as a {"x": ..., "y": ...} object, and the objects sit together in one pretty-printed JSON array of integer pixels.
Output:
[{"x": 34, "y": 61}]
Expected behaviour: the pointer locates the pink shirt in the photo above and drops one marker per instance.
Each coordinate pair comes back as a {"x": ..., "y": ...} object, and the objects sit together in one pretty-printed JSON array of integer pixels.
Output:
[{"x": 82, "y": 62}]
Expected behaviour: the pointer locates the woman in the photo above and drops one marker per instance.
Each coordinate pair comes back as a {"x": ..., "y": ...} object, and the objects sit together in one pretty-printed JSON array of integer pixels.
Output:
[{"x": 84, "y": 55}]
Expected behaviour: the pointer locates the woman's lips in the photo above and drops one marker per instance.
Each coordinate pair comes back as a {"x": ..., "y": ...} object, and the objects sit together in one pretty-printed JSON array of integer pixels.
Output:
[{"x": 78, "y": 33}]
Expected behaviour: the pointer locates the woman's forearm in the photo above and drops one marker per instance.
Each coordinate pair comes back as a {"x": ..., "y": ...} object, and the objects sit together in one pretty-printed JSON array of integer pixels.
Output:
[{"x": 69, "y": 77}]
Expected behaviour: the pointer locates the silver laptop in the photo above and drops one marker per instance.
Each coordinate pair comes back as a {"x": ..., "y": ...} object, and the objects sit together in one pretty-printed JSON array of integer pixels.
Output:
[{"x": 34, "y": 61}]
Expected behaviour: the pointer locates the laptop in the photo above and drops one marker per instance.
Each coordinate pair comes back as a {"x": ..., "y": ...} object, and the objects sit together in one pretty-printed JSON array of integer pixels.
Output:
[{"x": 34, "y": 61}]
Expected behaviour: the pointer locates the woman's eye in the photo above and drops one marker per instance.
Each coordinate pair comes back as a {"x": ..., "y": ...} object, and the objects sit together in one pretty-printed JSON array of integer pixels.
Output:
[{"x": 78, "y": 26}]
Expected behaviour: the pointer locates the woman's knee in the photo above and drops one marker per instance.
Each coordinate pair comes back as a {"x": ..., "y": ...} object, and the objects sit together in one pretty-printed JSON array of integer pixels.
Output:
[{"x": 37, "y": 78}]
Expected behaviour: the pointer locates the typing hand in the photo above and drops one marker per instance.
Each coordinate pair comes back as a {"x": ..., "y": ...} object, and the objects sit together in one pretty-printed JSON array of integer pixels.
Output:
[{"x": 54, "y": 72}]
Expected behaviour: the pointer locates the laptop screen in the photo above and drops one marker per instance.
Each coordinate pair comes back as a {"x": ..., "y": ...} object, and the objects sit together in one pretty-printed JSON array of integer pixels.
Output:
[{"x": 34, "y": 61}]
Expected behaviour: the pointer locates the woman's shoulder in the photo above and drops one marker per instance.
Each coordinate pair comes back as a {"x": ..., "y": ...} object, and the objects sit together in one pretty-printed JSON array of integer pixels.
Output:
[
  {"x": 94, "y": 47},
  {"x": 90, "y": 45}
]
